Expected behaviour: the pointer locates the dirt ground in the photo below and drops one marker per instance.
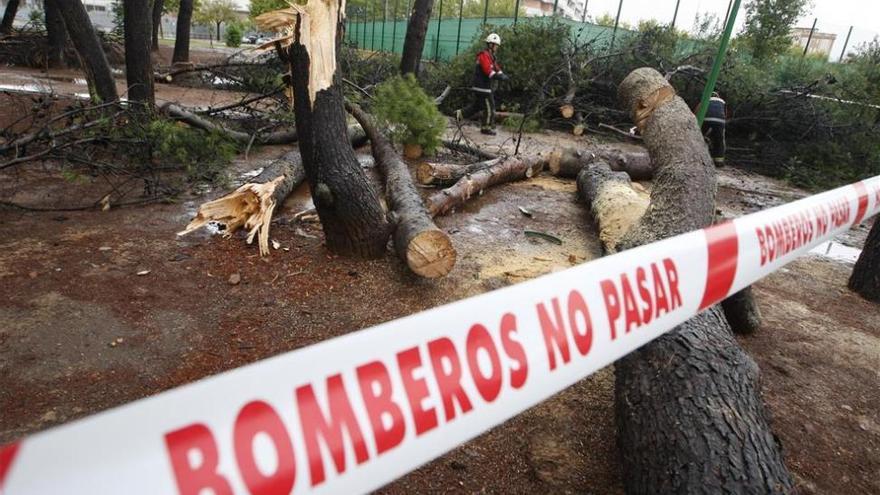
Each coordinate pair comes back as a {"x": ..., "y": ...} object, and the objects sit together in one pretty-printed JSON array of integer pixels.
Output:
[{"x": 82, "y": 331}]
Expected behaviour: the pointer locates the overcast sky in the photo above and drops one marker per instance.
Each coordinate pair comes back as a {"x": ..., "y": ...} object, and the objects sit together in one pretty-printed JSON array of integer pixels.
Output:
[{"x": 835, "y": 16}]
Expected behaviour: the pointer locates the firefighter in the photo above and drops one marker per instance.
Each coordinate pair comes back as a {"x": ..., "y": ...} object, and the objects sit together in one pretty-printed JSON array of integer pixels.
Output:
[
  {"x": 713, "y": 128},
  {"x": 486, "y": 70}
]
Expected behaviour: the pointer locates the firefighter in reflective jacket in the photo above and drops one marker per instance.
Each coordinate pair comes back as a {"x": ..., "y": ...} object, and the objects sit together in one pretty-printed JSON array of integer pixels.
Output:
[
  {"x": 485, "y": 71},
  {"x": 713, "y": 128}
]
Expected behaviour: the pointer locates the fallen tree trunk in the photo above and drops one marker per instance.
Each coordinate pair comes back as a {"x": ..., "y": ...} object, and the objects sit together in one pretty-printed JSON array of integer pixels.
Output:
[
  {"x": 427, "y": 250},
  {"x": 615, "y": 205},
  {"x": 251, "y": 206},
  {"x": 569, "y": 162},
  {"x": 177, "y": 113},
  {"x": 447, "y": 174},
  {"x": 507, "y": 170},
  {"x": 865, "y": 278},
  {"x": 472, "y": 150},
  {"x": 688, "y": 405}
]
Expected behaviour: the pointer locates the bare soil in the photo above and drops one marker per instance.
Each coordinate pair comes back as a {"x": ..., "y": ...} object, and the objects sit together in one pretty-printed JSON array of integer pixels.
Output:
[{"x": 82, "y": 331}]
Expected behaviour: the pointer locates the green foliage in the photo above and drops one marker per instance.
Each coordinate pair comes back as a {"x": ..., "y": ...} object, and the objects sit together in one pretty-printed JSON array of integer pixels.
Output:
[
  {"x": 233, "y": 35},
  {"x": 262, "y": 6},
  {"x": 767, "y": 31},
  {"x": 401, "y": 104},
  {"x": 118, "y": 23},
  {"x": 215, "y": 12},
  {"x": 531, "y": 124},
  {"x": 203, "y": 156}
]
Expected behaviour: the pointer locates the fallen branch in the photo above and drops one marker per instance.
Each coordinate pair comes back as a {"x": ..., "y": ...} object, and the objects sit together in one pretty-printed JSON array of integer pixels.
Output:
[
  {"x": 446, "y": 174},
  {"x": 439, "y": 99},
  {"x": 427, "y": 250},
  {"x": 507, "y": 170},
  {"x": 471, "y": 150},
  {"x": 251, "y": 206},
  {"x": 178, "y": 113}
]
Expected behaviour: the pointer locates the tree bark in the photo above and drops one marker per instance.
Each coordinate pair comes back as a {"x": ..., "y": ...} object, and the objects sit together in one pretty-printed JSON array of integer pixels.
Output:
[
  {"x": 137, "y": 20},
  {"x": 158, "y": 7},
  {"x": 347, "y": 204},
  {"x": 447, "y": 174},
  {"x": 427, "y": 250},
  {"x": 507, "y": 170},
  {"x": 253, "y": 204},
  {"x": 688, "y": 405},
  {"x": 56, "y": 33},
  {"x": 101, "y": 84},
  {"x": 280, "y": 137},
  {"x": 181, "y": 43},
  {"x": 741, "y": 311},
  {"x": 615, "y": 205},
  {"x": 471, "y": 150},
  {"x": 415, "y": 36},
  {"x": 568, "y": 162},
  {"x": 9, "y": 16},
  {"x": 865, "y": 278}
]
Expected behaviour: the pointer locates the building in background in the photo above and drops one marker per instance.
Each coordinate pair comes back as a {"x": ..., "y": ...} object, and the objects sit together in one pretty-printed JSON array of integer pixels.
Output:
[
  {"x": 572, "y": 9},
  {"x": 820, "y": 44}
]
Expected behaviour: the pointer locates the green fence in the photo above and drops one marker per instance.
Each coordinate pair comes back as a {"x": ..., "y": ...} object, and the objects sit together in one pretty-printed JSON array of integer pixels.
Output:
[{"x": 450, "y": 36}]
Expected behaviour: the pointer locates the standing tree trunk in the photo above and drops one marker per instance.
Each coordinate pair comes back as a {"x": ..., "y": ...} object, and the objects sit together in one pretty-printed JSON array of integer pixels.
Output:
[
  {"x": 865, "y": 278},
  {"x": 9, "y": 16},
  {"x": 184, "y": 21},
  {"x": 347, "y": 204},
  {"x": 56, "y": 33},
  {"x": 101, "y": 84},
  {"x": 218, "y": 30},
  {"x": 137, "y": 19},
  {"x": 415, "y": 36},
  {"x": 158, "y": 7},
  {"x": 688, "y": 405}
]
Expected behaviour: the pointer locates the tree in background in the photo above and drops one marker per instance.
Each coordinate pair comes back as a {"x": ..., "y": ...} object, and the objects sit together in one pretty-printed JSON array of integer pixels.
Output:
[
  {"x": 9, "y": 16},
  {"x": 262, "y": 6},
  {"x": 102, "y": 87},
  {"x": 158, "y": 10},
  {"x": 767, "y": 31},
  {"x": 215, "y": 12},
  {"x": 184, "y": 22},
  {"x": 415, "y": 36},
  {"x": 56, "y": 34},
  {"x": 137, "y": 18}
]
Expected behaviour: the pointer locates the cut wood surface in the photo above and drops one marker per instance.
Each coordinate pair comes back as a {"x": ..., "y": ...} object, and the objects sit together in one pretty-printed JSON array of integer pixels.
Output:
[
  {"x": 251, "y": 206},
  {"x": 427, "y": 250},
  {"x": 688, "y": 405},
  {"x": 506, "y": 170}
]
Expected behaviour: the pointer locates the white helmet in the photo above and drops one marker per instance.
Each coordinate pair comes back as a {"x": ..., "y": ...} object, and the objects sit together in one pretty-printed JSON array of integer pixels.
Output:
[{"x": 493, "y": 38}]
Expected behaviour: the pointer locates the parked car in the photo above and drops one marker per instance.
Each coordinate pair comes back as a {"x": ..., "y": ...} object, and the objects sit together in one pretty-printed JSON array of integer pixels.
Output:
[{"x": 250, "y": 39}]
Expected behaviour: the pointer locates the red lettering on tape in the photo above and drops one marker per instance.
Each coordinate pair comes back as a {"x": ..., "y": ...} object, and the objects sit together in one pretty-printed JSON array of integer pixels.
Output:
[
  {"x": 7, "y": 455},
  {"x": 259, "y": 417},
  {"x": 553, "y": 330},
  {"x": 424, "y": 418},
  {"x": 193, "y": 453},
  {"x": 514, "y": 351},
  {"x": 479, "y": 339},
  {"x": 723, "y": 246},
  {"x": 862, "y": 191},
  {"x": 556, "y": 332},
  {"x": 317, "y": 426},
  {"x": 661, "y": 296},
  {"x": 447, "y": 372},
  {"x": 375, "y": 384}
]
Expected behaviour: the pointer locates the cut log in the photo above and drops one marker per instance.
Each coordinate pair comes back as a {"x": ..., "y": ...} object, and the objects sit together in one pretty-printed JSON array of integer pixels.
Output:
[
  {"x": 472, "y": 150},
  {"x": 615, "y": 205},
  {"x": 865, "y": 278},
  {"x": 446, "y": 174},
  {"x": 568, "y": 162},
  {"x": 688, "y": 405},
  {"x": 251, "y": 206},
  {"x": 427, "y": 250},
  {"x": 507, "y": 170}
]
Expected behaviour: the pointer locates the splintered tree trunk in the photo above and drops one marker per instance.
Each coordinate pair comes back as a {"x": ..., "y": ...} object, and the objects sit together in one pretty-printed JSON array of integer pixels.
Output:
[
  {"x": 137, "y": 19},
  {"x": 508, "y": 170},
  {"x": 158, "y": 6},
  {"x": 688, "y": 405},
  {"x": 415, "y": 36},
  {"x": 56, "y": 33},
  {"x": 346, "y": 202},
  {"x": 181, "y": 43},
  {"x": 865, "y": 278},
  {"x": 101, "y": 84},
  {"x": 427, "y": 250},
  {"x": 9, "y": 16}
]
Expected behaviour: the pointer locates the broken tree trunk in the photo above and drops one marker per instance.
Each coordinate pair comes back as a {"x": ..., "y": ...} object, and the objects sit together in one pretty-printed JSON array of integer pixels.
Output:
[
  {"x": 865, "y": 278},
  {"x": 568, "y": 162},
  {"x": 251, "y": 206},
  {"x": 615, "y": 205},
  {"x": 427, "y": 250},
  {"x": 507, "y": 170},
  {"x": 351, "y": 214},
  {"x": 446, "y": 174},
  {"x": 688, "y": 405}
]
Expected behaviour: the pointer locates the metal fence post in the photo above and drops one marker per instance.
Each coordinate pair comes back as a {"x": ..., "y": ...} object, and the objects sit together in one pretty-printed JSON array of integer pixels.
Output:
[
  {"x": 394, "y": 28},
  {"x": 373, "y": 32},
  {"x": 458, "y": 36},
  {"x": 675, "y": 15},
  {"x": 515, "y": 12},
  {"x": 716, "y": 66},
  {"x": 616, "y": 23},
  {"x": 555, "y": 4},
  {"x": 384, "y": 21},
  {"x": 364, "y": 27},
  {"x": 485, "y": 11},
  {"x": 727, "y": 13},
  {"x": 845, "y": 43},
  {"x": 584, "y": 18},
  {"x": 810, "y": 37},
  {"x": 437, "y": 41}
]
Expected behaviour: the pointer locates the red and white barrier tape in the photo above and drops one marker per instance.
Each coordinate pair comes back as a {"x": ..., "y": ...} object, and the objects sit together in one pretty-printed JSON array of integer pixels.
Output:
[{"x": 353, "y": 413}]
